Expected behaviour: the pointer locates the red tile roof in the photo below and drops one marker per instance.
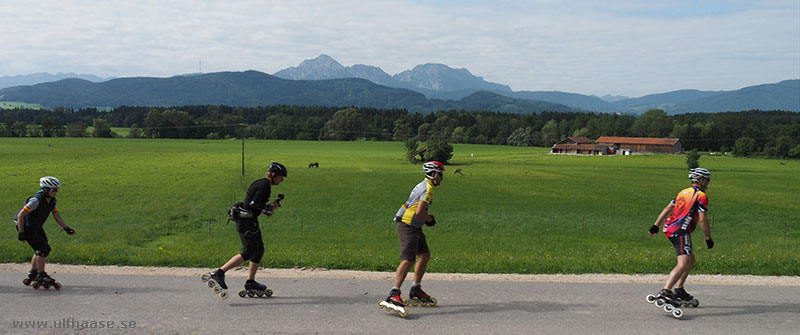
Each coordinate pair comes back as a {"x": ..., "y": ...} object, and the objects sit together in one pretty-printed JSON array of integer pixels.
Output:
[
  {"x": 580, "y": 139},
  {"x": 568, "y": 146},
  {"x": 638, "y": 140}
]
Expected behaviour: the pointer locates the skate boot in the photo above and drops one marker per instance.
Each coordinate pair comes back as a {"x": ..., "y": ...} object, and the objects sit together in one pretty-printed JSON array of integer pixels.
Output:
[
  {"x": 253, "y": 288},
  {"x": 216, "y": 280},
  {"x": 394, "y": 303},
  {"x": 31, "y": 276},
  {"x": 685, "y": 299},
  {"x": 418, "y": 297},
  {"x": 43, "y": 279},
  {"x": 666, "y": 300}
]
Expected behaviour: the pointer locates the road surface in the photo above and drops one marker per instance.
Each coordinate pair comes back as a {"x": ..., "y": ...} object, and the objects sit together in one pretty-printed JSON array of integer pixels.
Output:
[{"x": 163, "y": 304}]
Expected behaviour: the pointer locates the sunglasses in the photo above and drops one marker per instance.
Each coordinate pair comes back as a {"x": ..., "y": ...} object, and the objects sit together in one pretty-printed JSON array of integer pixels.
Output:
[{"x": 53, "y": 189}]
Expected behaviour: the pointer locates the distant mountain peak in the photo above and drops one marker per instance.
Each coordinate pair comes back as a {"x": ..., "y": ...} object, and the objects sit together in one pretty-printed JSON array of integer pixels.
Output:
[
  {"x": 424, "y": 78},
  {"x": 323, "y": 61}
]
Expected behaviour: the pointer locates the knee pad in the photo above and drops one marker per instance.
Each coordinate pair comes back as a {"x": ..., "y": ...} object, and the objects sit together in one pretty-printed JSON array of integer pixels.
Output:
[{"x": 44, "y": 251}]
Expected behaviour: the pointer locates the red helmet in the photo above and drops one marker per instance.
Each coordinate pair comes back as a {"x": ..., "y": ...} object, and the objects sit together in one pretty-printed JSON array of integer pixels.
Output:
[{"x": 431, "y": 167}]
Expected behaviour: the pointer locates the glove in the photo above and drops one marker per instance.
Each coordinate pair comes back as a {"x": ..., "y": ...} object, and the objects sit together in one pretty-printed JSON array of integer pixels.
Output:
[
  {"x": 22, "y": 236},
  {"x": 653, "y": 229},
  {"x": 432, "y": 222},
  {"x": 710, "y": 243},
  {"x": 69, "y": 230}
]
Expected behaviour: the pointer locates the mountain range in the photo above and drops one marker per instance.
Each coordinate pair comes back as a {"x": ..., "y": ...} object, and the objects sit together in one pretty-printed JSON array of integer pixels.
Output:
[
  {"x": 425, "y": 88},
  {"x": 36, "y": 78}
]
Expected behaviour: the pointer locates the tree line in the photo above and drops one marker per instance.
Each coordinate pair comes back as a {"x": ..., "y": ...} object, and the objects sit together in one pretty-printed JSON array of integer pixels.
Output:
[{"x": 745, "y": 133}]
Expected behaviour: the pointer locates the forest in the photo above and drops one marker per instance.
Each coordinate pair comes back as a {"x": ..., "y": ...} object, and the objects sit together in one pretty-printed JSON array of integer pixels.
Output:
[{"x": 746, "y": 133}]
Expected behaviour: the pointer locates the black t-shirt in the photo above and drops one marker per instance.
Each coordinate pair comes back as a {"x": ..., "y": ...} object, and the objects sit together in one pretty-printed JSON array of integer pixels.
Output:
[{"x": 257, "y": 196}]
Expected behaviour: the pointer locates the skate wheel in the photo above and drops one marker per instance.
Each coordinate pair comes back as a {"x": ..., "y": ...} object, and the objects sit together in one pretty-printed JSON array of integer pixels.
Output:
[
  {"x": 205, "y": 278},
  {"x": 26, "y": 281},
  {"x": 36, "y": 285},
  {"x": 404, "y": 313},
  {"x": 46, "y": 286},
  {"x": 268, "y": 293},
  {"x": 406, "y": 301},
  {"x": 57, "y": 286},
  {"x": 695, "y": 303},
  {"x": 210, "y": 283},
  {"x": 259, "y": 294},
  {"x": 668, "y": 308},
  {"x": 380, "y": 305},
  {"x": 650, "y": 298},
  {"x": 242, "y": 293},
  {"x": 223, "y": 294},
  {"x": 251, "y": 293},
  {"x": 433, "y": 302},
  {"x": 660, "y": 303},
  {"x": 677, "y": 313},
  {"x": 217, "y": 289}
]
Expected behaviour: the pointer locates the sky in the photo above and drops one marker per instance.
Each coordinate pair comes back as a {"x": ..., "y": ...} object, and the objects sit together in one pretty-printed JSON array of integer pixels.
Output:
[{"x": 617, "y": 47}]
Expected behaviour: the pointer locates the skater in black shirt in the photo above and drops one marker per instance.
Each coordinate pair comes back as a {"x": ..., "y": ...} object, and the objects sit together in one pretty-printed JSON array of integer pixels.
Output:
[
  {"x": 245, "y": 214},
  {"x": 29, "y": 223}
]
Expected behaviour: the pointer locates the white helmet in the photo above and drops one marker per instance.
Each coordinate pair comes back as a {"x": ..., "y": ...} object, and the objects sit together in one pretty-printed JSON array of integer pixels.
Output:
[
  {"x": 431, "y": 167},
  {"x": 49, "y": 182},
  {"x": 697, "y": 173}
]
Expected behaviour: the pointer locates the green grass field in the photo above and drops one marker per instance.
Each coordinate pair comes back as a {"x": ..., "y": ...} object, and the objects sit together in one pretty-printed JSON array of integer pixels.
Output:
[
  {"x": 514, "y": 210},
  {"x": 14, "y": 104},
  {"x": 121, "y": 131}
]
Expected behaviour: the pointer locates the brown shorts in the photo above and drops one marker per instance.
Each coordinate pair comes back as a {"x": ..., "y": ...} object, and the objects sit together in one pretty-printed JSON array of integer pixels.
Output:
[{"x": 412, "y": 242}]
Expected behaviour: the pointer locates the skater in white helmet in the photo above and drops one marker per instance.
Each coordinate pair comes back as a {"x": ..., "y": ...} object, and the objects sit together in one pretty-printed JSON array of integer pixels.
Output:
[
  {"x": 30, "y": 221},
  {"x": 410, "y": 218},
  {"x": 245, "y": 214},
  {"x": 684, "y": 211}
]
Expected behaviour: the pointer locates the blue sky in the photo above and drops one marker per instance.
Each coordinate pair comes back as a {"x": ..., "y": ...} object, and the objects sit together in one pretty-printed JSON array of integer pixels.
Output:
[{"x": 618, "y": 47}]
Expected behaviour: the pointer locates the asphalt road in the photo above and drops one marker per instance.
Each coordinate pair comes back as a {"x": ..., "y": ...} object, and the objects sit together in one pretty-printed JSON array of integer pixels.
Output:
[{"x": 184, "y": 305}]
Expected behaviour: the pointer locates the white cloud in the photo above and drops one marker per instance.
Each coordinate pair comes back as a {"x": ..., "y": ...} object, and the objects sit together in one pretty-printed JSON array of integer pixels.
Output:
[{"x": 613, "y": 47}]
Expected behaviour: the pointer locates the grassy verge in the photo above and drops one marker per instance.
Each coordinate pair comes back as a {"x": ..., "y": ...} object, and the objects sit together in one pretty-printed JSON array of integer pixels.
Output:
[{"x": 514, "y": 210}]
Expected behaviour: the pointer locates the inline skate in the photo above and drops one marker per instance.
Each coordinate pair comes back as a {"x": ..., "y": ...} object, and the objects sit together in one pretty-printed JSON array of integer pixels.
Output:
[
  {"x": 685, "y": 299},
  {"x": 216, "y": 281},
  {"x": 418, "y": 297},
  {"x": 31, "y": 277},
  {"x": 253, "y": 288},
  {"x": 666, "y": 300},
  {"x": 44, "y": 280},
  {"x": 394, "y": 303}
]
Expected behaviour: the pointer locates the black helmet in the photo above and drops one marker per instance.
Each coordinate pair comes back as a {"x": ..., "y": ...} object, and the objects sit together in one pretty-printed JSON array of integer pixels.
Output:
[{"x": 277, "y": 168}]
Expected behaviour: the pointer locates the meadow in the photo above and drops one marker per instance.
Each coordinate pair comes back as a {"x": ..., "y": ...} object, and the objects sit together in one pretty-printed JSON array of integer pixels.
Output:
[
  {"x": 162, "y": 202},
  {"x": 14, "y": 104}
]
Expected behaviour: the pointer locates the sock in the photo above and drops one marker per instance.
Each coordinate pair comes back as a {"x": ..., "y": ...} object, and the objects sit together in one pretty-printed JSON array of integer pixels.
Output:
[
  {"x": 395, "y": 288},
  {"x": 415, "y": 284}
]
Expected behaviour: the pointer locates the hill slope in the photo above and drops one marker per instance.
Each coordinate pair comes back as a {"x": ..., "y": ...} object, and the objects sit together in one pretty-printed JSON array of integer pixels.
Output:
[{"x": 253, "y": 88}]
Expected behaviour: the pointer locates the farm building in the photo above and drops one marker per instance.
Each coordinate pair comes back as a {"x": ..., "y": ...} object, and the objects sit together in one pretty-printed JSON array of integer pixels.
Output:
[
  {"x": 642, "y": 144},
  {"x": 579, "y": 146}
]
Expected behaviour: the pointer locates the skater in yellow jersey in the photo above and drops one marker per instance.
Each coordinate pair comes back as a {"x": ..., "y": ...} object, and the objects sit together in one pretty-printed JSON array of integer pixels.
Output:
[{"x": 410, "y": 218}]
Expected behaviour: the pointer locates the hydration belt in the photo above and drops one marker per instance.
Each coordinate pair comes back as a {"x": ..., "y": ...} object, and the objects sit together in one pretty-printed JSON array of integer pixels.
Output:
[{"x": 236, "y": 212}]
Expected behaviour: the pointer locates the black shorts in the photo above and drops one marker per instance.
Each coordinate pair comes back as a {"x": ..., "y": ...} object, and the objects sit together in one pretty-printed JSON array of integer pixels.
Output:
[
  {"x": 36, "y": 238},
  {"x": 250, "y": 235},
  {"x": 683, "y": 244},
  {"x": 412, "y": 242}
]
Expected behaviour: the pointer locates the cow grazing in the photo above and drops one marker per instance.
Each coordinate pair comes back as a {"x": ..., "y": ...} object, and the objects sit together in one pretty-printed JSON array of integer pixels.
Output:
[
  {"x": 457, "y": 171},
  {"x": 314, "y": 165}
]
